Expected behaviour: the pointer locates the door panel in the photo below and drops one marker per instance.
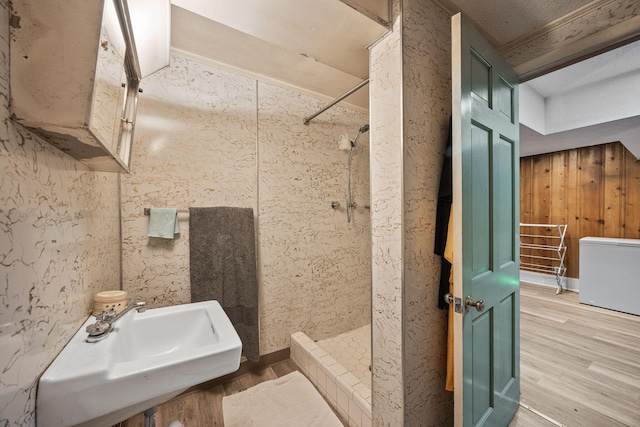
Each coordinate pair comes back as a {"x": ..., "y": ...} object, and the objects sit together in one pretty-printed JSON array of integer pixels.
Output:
[
  {"x": 481, "y": 140},
  {"x": 505, "y": 95},
  {"x": 482, "y": 369},
  {"x": 486, "y": 219},
  {"x": 503, "y": 155},
  {"x": 480, "y": 77},
  {"x": 504, "y": 343}
]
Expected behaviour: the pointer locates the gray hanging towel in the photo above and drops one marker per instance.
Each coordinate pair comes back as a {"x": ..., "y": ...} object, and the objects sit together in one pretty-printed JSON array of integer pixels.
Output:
[{"x": 222, "y": 249}]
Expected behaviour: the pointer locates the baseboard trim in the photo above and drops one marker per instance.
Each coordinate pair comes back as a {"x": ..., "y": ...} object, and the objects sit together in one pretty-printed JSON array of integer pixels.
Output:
[{"x": 549, "y": 280}]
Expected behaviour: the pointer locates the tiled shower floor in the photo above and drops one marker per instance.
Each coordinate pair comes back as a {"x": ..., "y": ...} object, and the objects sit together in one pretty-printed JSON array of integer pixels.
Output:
[
  {"x": 339, "y": 368},
  {"x": 353, "y": 350}
]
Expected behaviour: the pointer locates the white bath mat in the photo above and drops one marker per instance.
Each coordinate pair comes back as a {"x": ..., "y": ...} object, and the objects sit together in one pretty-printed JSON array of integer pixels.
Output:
[{"x": 289, "y": 401}]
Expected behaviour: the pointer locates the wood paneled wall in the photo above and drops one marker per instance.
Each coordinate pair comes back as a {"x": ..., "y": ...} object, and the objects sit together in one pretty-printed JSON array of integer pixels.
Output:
[{"x": 594, "y": 190}]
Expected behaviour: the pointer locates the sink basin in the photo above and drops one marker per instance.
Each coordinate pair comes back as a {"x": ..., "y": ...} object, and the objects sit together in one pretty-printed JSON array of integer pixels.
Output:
[{"x": 147, "y": 359}]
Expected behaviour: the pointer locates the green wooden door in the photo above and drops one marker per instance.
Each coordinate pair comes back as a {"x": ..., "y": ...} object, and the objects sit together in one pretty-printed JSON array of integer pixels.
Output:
[{"x": 486, "y": 224}]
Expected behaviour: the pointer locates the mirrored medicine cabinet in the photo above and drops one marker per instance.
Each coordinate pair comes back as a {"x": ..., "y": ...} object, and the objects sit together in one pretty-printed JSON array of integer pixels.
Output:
[{"x": 75, "y": 78}]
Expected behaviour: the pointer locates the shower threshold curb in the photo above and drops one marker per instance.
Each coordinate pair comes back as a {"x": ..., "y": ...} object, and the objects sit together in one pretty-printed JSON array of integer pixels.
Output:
[{"x": 344, "y": 392}]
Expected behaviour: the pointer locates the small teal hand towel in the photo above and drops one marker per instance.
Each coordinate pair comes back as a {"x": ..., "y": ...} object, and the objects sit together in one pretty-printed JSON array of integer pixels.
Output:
[{"x": 163, "y": 223}]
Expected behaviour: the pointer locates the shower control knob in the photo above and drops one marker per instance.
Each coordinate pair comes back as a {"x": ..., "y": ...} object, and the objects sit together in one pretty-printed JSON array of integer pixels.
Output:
[{"x": 335, "y": 205}]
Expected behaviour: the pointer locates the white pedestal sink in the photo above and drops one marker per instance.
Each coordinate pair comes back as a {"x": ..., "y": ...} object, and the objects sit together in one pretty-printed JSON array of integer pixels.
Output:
[{"x": 148, "y": 358}]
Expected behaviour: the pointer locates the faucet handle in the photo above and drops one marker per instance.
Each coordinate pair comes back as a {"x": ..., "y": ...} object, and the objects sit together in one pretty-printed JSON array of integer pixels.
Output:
[
  {"x": 106, "y": 315},
  {"x": 141, "y": 306},
  {"x": 98, "y": 328}
]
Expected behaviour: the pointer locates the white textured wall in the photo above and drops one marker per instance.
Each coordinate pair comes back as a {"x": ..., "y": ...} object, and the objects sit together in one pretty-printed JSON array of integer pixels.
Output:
[
  {"x": 315, "y": 268},
  {"x": 386, "y": 111},
  {"x": 410, "y": 108},
  {"x": 532, "y": 109},
  {"x": 208, "y": 137},
  {"x": 427, "y": 107},
  {"x": 59, "y": 245},
  {"x": 195, "y": 145}
]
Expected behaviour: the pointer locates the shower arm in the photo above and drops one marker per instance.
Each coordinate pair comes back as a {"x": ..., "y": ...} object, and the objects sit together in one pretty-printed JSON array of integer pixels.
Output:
[{"x": 307, "y": 120}]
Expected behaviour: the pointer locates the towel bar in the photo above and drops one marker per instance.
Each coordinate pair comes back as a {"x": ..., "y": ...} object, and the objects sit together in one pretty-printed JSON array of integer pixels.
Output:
[{"x": 147, "y": 211}]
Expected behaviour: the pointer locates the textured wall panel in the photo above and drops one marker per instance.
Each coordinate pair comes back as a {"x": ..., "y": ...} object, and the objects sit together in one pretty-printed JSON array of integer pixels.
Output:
[
  {"x": 315, "y": 267},
  {"x": 427, "y": 106},
  {"x": 208, "y": 137},
  {"x": 59, "y": 245},
  {"x": 195, "y": 146},
  {"x": 385, "y": 74}
]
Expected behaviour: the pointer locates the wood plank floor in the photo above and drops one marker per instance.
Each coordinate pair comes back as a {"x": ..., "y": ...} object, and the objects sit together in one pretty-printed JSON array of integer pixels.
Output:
[
  {"x": 204, "y": 408},
  {"x": 580, "y": 366}
]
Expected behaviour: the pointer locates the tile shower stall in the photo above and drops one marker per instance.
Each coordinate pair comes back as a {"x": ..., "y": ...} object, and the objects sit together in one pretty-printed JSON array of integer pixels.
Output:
[{"x": 340, "y": 368}]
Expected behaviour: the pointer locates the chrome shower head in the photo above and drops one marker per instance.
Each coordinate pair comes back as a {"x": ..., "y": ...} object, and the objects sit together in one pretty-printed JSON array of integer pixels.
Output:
[{"x": 363, "y": 129}]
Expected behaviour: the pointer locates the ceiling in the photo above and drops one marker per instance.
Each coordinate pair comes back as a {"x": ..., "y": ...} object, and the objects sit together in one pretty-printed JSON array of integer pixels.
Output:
[
  {"x": 592, "y": 102},
  {"x": 626, "y": 131},
  {"x": 321, "y": 48},
  {"x": 623, "y": 60},
  {"x": 508, "y": 20}
]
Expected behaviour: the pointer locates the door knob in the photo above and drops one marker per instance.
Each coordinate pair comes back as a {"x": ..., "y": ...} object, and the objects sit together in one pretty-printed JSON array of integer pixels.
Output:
[{"x": 469, "y": 302}]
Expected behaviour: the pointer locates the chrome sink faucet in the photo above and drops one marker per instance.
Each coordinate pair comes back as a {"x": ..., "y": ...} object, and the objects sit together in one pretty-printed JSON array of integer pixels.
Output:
[{"x": 105, "y": 320}]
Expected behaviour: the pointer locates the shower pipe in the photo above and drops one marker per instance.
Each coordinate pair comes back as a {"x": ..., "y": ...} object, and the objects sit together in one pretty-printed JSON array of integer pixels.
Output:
[
  {"x": 350, "y": 203},
  {"x": 307, "y": 120}
]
